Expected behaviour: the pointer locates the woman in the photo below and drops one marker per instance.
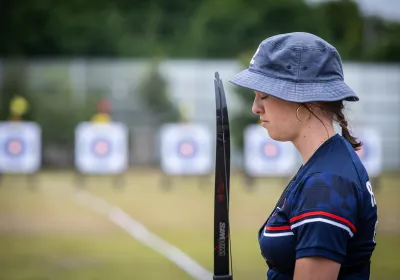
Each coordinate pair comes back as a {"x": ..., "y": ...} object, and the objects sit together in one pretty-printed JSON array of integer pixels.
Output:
[{"x": 324, "y": 224}]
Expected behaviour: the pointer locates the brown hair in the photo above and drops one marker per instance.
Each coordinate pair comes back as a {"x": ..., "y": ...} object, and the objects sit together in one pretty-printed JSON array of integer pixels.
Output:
[{"x": 336, "y": 108}]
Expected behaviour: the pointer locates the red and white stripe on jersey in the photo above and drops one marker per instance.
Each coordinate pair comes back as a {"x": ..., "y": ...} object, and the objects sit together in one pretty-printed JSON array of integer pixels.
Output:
[
  {"x": 277, "y": 231},
  {"x": 324, "y": 217}
]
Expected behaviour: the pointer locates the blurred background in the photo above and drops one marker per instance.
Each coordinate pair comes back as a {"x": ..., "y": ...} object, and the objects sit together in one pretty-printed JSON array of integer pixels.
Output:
[{"x": 144, "y": 66}]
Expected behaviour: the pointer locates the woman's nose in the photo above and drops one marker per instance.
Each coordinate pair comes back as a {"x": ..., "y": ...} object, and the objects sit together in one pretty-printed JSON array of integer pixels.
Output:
[{"x": 257, "y": 109}]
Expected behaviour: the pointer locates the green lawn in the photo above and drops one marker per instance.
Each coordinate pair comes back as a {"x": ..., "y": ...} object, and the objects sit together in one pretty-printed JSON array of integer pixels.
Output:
[{"x": 47, "y": 235}]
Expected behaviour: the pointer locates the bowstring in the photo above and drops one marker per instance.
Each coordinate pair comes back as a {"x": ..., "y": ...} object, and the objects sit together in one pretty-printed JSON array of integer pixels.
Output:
[{"x": 226, "y": 177}]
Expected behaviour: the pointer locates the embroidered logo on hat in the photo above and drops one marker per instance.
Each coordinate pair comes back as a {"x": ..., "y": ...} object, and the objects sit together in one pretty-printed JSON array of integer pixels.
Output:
[{"x": 252, "y": 61}]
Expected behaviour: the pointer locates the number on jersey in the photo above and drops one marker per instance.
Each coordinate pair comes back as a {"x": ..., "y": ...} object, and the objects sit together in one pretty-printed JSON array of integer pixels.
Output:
[
  {"x": 369, "y": 188},
  {"x": 373, "y": 239}
]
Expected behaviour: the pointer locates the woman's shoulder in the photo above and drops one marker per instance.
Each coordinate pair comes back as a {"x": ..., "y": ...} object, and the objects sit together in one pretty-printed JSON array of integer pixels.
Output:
[{"x": 327, "y": 186}]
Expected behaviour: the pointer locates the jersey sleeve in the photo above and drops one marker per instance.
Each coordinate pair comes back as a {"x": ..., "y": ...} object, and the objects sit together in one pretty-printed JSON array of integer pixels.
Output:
[{"x": 323, "y": 216}]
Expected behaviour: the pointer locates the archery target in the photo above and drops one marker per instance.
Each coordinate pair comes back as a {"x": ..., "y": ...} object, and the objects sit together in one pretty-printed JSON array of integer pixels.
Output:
[
  {"x": 186, "y": 149},
  {"x": 101, "y": 148},
  {"x": 20, "y": 147},
  {"x": 270, "y": 150},
  {"x": 370, "y": 153},
  {"x": 14, "y": 147},
  {"x": 264, "y": 156}
]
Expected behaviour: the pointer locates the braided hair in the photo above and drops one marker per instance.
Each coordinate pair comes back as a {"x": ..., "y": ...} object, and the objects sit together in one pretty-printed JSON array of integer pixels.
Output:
[{"x": 336, "y": 108}]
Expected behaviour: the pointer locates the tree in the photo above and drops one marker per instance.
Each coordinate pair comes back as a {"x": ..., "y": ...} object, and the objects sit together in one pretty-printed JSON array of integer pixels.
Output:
[
  {"x": 184, "y": 29},
  {"x": 345, "y": 32},
  {"x": 153, "y": 93},
  {"x": 384, "y": 41},
  {"x": 14, "y": 84}
]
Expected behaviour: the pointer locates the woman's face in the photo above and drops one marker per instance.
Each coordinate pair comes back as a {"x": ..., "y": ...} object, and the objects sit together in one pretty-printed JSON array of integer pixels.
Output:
[{"x": 278, "y": 116}]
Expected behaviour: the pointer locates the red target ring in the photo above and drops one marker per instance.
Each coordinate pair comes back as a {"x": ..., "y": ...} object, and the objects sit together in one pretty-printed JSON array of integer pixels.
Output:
[
  {"x": 270, "y": 150},
  {"x": 101, "y": 148},
  {"x": 14, "y": 147},
  {"x": 187, "y": 149}
]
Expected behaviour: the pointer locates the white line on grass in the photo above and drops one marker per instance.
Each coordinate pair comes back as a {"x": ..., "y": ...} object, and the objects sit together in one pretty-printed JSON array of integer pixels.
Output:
[{"x": 143, "y": 235}]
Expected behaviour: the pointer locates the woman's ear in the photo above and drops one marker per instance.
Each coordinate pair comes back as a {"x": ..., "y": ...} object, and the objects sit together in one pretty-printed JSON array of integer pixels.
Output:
[{"x": 316, "y": 108}]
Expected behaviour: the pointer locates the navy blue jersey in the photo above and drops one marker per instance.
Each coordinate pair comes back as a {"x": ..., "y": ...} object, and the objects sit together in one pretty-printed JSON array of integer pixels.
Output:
[{"x": 327, "y": 210}]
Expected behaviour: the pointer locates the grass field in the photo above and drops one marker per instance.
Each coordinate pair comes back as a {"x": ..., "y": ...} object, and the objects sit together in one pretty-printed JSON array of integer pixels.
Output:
[{"x": 45, "y": 234}]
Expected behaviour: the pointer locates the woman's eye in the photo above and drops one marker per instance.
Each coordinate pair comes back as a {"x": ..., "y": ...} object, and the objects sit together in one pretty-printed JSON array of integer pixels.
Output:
[{"x": 264, "y": 97}]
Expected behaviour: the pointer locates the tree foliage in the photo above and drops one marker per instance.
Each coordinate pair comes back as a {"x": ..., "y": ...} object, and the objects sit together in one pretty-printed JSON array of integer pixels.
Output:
[
  {"x": 14, "y": 84},
  {"x": 153, "y": 92},
  {"x": 186, "y": 29}
]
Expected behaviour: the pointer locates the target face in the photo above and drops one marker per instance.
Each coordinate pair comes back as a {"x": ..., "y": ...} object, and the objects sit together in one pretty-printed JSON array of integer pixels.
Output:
[
  {"x": 14, "y": 147},
  {"x": 264, "y": 156},
  {"x": 101, "y": 148},
  {"x": 370, "y": 153},
  {"x": 270, "y": 150},
  {"x": 20, "y": 147},
  {"x": 186, "y": 149}
]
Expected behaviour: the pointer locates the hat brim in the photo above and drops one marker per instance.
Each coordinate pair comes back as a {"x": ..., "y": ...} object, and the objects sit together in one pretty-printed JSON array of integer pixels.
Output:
[{"x": 299, "y": 92}]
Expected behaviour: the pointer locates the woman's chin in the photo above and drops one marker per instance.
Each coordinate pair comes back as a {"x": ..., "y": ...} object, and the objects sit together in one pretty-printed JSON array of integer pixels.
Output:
[{"x": 277, "y": 136}]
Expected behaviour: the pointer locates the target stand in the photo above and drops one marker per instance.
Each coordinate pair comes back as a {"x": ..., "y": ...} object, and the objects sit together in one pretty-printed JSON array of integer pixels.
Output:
[
  {"x": 20, "y": 151},
  {"x": 101, "y": 150},
  {"x": 266, "y": 158},
  {"x": 117, "y": 181},
  {"x": 186, "y": 152}
]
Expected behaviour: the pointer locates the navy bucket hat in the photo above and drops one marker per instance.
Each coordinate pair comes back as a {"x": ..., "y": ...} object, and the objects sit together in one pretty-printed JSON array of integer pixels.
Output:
[{"x": 298, "y": 67}]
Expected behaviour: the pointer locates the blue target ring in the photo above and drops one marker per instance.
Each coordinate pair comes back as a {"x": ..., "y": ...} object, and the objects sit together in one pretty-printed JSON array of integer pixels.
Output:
[
  {"x": 270, "y": 150},
  {"x": 101, "y": 148},
  {"x": 14, "y": 147},
  {"x": 187, "y": 149}
]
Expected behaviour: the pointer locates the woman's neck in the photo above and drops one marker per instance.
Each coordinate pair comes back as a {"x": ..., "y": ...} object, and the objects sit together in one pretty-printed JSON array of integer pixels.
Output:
[{"x": 309, "y": 140}]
